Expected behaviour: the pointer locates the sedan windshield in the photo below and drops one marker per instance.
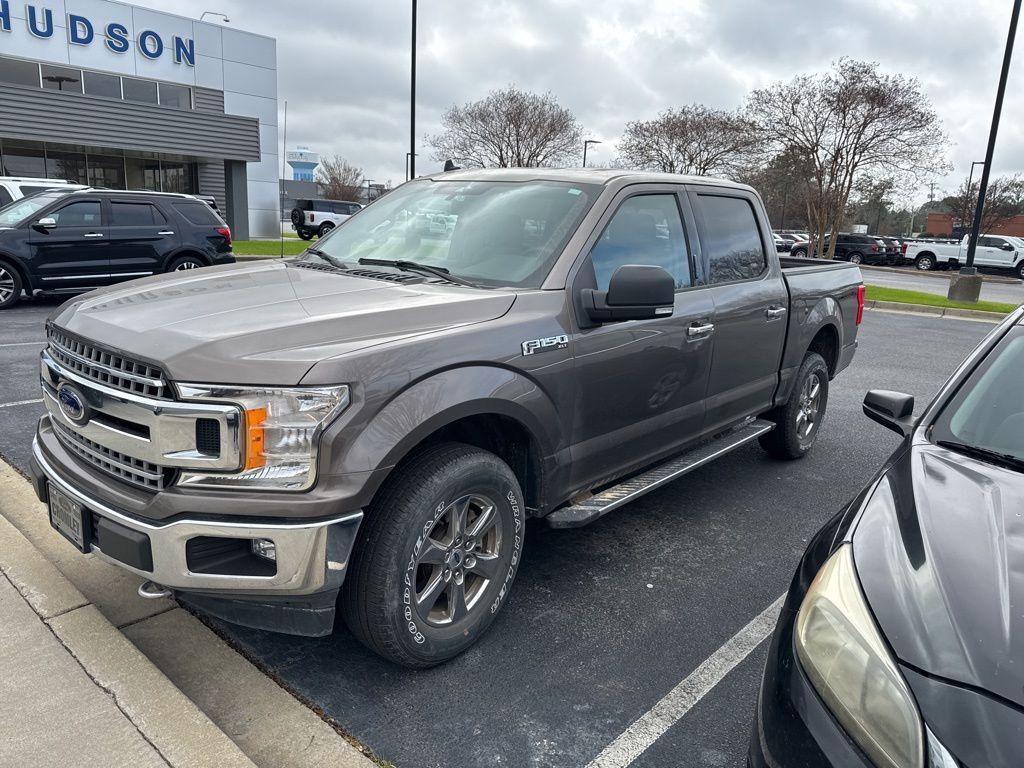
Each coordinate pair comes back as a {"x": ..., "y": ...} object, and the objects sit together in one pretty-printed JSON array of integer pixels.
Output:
[
  {"x": 12, "y": 214},
  {"x": 486, "y": 233},
  {"x": 986, "y": 416}
]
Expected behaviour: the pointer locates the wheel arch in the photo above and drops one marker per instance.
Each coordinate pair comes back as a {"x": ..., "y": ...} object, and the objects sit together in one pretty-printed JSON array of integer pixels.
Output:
[
  {"x": 185, "y": 250},
  {"x": 26, "y": 280},
  {"x": 826, "y": 343}
]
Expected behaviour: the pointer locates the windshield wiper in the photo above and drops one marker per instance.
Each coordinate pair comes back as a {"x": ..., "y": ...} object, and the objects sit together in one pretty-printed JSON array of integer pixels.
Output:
[
  {"x": 320, "y": 254},
  {"x": 416, "y": 266},
  {"x": 986, "y": 454}
]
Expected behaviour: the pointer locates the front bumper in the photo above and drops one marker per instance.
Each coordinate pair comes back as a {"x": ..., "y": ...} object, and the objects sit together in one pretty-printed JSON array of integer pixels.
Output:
[{"x": 311, "y": 556}]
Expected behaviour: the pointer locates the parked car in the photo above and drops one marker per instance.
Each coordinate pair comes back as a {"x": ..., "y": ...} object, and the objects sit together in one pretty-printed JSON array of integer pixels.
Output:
[
  {"x": 857, "y": 249},
  {"x": 899, "y": 643},
  {"x": 782, "y": 244},
  {"x": 16, "y": 187},
  {"x": 385, "y": 411},
  {"x": 1000, "y": 251},
  {"x": 70, "y": 241},
  {"x": 318, "y": 217}
]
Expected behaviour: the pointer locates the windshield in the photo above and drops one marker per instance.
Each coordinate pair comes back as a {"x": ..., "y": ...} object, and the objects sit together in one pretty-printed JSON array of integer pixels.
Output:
[
  {"x": 488, "y": 233},
  {"x": 988, "y": 410},
  {"x": 16, "y": 212}
]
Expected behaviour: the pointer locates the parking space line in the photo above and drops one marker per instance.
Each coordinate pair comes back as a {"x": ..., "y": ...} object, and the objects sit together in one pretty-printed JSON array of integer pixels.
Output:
[
  {"x": 653, "y": 724},
  {"x": 22, "y": 343},
  {"x": 20, "y": 402}
]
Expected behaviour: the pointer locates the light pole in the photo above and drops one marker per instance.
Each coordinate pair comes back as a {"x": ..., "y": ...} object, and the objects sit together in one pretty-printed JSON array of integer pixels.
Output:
[
  {"x": 585, "y": 145},
  {"x": 412, "y": 100},
  {"x": 966, "y": 286},
  {"x": 215, "y": 13},
  {"x": 970, "y": 188},
  {"x": 368, "y": 182}
]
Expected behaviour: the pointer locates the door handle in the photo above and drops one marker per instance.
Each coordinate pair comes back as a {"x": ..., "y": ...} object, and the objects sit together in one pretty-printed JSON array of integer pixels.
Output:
[
  {"x": 166, "y": 232},
  {"x": 93, "y": 234},
  {"x": 774, "y": 313},
  {"x": 699, "y": 329}
]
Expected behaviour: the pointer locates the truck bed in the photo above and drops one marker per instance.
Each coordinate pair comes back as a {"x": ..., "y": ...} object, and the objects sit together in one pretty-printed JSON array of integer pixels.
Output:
[{"x": 791, "y": 265}]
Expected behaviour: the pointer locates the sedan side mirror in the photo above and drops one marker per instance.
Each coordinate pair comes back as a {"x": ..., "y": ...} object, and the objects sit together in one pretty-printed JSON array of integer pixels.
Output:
[
  {"x": 635, "y": 292},
  {"x": 894, "y": 410},
  {"x": 47, "y": 222}
]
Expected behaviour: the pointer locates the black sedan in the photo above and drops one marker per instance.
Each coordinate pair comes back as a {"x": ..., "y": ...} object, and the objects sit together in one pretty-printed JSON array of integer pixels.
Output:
[{"x": 901, "y": 641}]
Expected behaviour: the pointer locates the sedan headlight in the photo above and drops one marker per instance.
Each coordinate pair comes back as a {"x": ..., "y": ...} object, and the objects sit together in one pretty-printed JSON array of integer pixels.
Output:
[
  {"x": 850, "y": 666},
  {"x": 279, "y": 433}
]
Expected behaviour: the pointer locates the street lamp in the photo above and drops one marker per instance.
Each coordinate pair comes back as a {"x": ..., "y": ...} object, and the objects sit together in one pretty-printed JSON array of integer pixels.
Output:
[
  {"x": 585, "y": 143},
  {"x": 215, "y": 13},
  {"x": 59, "y": 80},
  {"x": 966, "y": 285},
  {"x": 970, "y": 184},
  {"x": 368, "y": 182},
  {"x": 412, "y": 101}
]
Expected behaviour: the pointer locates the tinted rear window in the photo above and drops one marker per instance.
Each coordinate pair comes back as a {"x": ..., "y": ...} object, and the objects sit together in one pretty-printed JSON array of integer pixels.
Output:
[
  {"x": 134, "y": 214},
  {"x": 198, "y": 212},
  {"x": 732, "y": 240}
]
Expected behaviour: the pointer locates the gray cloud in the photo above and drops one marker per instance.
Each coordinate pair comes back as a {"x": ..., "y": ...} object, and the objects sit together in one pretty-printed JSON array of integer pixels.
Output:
[{"x": 344, "y": 66}]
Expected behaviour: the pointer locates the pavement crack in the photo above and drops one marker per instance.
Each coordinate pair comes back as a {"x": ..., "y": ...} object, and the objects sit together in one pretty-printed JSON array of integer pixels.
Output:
[{"x": 141, "y": 619}]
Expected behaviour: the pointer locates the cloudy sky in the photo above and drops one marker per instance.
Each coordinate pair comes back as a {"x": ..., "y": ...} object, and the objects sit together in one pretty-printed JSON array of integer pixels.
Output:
[{"x": 344, "y": 65}]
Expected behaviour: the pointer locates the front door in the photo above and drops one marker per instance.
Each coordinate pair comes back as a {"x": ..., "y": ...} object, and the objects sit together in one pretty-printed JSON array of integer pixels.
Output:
[
  {"x": 72, "y": 254},
  {"x": 751, "y": 305},
  {"x": 640, "y": 384},
  {"x": 140, "y": 238}
]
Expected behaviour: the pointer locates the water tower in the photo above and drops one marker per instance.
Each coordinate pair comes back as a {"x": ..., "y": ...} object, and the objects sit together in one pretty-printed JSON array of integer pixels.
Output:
[{"x": 303, "y": 162}]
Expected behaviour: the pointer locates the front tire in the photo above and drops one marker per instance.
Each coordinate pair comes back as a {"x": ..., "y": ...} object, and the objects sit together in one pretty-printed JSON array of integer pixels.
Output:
[
  {"x": 856, "y": 258},
  {"x": 798, "y": 421},
  {"x": 1020, "y": 270},
  {"x": 10, "y": 285},
  {"x": 437, "y": 556},
  {"x": 324, "y": 229}
]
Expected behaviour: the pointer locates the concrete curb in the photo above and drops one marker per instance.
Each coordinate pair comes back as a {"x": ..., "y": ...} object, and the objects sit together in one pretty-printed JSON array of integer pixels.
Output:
[
  {"x": 937, "y": 275},
  {"x": 925, "y": 309},
  {"x": 161, "y": 713}
]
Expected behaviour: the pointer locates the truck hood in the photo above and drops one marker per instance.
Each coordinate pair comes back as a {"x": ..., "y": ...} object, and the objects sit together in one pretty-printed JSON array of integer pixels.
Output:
[
  {"x": 266, "y": 323},
  {"x": 942, "y": 567}
]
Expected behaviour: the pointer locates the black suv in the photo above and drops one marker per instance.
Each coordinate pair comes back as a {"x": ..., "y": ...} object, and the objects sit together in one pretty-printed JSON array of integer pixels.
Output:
[
  {"x": 68, "y": 242},
  {"x": 858, "y": 249}
]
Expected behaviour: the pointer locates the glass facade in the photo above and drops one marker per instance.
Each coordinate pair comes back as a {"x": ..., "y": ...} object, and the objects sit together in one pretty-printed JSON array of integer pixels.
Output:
[
  {"x": 99, "y": 167},
  {"x": 73, "y": 80}
]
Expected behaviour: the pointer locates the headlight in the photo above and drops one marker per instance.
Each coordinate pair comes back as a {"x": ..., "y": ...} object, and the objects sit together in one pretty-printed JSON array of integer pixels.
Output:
[
  {"x": 850, "y": 666},
  {"x": 279, "y": 433}
]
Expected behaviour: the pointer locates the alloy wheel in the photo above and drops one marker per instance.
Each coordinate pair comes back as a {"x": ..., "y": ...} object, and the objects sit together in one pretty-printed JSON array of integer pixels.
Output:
[
  {"x": 810, "y": 404},
  {"x": 6, "y": 285},
  {"x": 458, "y": 560},
  {"x": 185, "y": 265}
]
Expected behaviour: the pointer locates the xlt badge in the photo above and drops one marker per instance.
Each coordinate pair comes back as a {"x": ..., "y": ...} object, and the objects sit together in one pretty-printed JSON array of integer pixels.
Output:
[{"x": 549, "y": 342}]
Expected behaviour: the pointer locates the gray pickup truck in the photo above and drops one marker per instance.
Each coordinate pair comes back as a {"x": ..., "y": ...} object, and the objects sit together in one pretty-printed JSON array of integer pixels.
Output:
[{"x": 367, "y": 427}]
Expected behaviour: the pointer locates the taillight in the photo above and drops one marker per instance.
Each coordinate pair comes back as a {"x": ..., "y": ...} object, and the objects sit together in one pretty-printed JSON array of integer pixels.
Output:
[
  {"x": 860, "y": 303},
  {"x": 311, "y": 218},
  {"x": 903, "y": 248},
  {"x": 874, "y": 248},
  {"x": 225, "y": 232}
]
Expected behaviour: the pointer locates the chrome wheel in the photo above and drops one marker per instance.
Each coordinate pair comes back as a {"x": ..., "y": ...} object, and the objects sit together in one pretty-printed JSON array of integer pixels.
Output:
[
  {"x": 856, "y": 258},
  {"x": 458, "y": 560},
  {"x": 7, "y": 285},
  {"x": 185, "y": 265},
  {"x": 924, "y": 263},
  {"x": 810, "y": 404}
]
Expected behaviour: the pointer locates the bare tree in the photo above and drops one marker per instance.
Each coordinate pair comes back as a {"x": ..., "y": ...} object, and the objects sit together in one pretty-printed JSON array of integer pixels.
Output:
[
  {"x": 338, "y": 179},
  {"x": 693, "y": 139},
  {"x": 506, "y": 129},
  {"x": 784, "y": 182},
  {"x": 846, "y": 122},
  {"x": 1003, "y": 200}
]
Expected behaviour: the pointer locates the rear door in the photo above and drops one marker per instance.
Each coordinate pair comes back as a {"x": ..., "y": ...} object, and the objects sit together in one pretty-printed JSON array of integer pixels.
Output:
[
  {"x": 73, "y": 254},
  {"x": 140, "y": 238},
  {"x": 751, "y": 304}
]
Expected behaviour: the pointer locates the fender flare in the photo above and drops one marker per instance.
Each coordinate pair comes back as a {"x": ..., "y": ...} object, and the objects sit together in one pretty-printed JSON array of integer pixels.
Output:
[
  {"x": 26, "y": 277},
  {"x": 183, "y": 250}
]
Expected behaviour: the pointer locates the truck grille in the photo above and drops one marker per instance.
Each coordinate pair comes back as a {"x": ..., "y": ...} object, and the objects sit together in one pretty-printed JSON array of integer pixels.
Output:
[
  {"x": 105, "y": 367},
  {"x": 122, "y": 466}
]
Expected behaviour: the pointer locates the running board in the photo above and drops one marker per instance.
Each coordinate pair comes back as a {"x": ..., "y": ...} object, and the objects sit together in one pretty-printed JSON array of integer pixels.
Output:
[{"x": 597, "y": 506}]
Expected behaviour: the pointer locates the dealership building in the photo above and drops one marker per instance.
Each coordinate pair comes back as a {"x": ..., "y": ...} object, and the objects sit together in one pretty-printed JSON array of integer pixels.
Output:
[{"x": 118, "y": 96}]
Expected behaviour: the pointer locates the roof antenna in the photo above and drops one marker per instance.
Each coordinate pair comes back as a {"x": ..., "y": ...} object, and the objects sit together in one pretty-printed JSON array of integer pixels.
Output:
[{"x": 449, "y": 165}]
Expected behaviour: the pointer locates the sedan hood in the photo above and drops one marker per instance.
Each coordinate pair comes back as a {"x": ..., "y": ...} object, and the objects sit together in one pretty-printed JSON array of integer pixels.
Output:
[
  {"x": 941, "y": 562},
  {"x": 266, "y": 323}
]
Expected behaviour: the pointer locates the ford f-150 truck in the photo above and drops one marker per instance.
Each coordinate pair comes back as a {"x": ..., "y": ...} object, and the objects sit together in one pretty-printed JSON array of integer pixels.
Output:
[
  {"x": 367, "y": 427},
  {"x": 1000, "y": 251}
]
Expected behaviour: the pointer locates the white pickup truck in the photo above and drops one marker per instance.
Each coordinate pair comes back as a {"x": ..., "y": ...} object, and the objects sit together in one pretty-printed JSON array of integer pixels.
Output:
[{"x": 993, "y": 251}]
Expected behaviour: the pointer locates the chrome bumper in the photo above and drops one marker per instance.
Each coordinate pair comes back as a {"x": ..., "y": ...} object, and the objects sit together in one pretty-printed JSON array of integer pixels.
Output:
[{"x": 310, "y": 556}]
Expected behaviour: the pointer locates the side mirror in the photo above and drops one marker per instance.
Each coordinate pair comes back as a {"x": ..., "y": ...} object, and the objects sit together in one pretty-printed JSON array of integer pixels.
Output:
[
  {"x": 47, "y": 222},
  {"x": 894, "y": 410},
  {"x": 635, "y": 292},
  {"x": 1006, "y": 247}
]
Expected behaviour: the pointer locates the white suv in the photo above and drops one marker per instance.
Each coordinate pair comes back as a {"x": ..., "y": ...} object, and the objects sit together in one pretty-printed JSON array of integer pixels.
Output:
[
  {"x": 318, "y": 217},
  {"x": 16, "y": 187}
]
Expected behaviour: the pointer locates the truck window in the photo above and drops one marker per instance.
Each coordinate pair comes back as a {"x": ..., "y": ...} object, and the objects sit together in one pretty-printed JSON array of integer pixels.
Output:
[
  {"x": 731, "y": 238},
  {"x": 645, "y": 230}
]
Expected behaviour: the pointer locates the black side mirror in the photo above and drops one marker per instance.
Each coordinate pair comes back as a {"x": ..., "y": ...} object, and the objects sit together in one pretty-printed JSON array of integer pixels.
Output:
[
  {"x": 894, "y": 410},
  {"x": 635, "y": 292}
]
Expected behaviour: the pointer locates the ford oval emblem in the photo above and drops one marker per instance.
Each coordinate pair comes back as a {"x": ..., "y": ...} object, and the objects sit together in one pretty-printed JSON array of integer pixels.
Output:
[{"x": 72, "y": 404}]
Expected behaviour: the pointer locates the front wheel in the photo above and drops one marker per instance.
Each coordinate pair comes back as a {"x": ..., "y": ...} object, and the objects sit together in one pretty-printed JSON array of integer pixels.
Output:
[
  {"x": 324, "y": 229},
  {"x": 797, "y": 421},
  {"x": 1020, "y": 270},
  {"x": 10, "y": 286},
  {"x": 436, "y": 557}
]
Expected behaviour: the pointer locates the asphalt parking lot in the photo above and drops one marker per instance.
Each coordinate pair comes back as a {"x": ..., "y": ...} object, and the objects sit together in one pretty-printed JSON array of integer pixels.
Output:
[{"x": 604, "y": 620}]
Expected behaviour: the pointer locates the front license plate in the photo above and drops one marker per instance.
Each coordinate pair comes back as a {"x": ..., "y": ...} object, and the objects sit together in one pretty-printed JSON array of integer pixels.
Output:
[{"x": 68, "y": 517}]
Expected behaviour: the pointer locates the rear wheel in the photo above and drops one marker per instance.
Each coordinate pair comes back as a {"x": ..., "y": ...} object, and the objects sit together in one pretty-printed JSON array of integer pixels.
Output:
[
  {"x": 799, "y": 253},
  {"x": 797, "y": 421},
  {"x": 10, "y": 285},
  {"x": 324, "y": 229},
  {"x": 925, "y": 262},
  {"x": 436, "y": 556},
  {"x": 856, "y": 258},
  {"x": 185, "y": 263},
  {"x": 1020, "y": 270}
]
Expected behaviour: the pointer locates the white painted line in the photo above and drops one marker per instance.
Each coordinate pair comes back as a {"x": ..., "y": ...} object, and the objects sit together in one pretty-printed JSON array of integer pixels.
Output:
[
  {"x": 23, "y": 343},
  {"x": 652, "y": 725},
  {"x": 20, "y": 402}
]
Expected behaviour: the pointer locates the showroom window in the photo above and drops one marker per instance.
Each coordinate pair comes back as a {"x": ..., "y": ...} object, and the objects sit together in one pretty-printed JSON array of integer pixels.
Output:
[
  {"x": 19, "y": 72},
  {"x": 61, "y": 79},
  {"x": 178, "y": 96},
  {"x": 99, "y": 84},
  {"x": 22, "y": 158}
]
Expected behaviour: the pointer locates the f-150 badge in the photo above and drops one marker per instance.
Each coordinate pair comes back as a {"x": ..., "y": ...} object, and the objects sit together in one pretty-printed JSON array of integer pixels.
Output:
[{"x": 545, "y": 344}]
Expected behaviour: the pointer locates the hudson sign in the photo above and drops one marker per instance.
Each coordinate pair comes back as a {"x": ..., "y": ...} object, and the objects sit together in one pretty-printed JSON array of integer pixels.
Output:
[{"x": 85, "y": 31}]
